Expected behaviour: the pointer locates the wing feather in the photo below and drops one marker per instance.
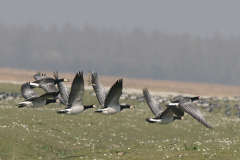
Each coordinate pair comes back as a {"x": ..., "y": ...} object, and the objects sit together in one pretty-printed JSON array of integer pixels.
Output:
[
  {"x": 64, "y": 91},
  {"x": 188, "y": 107},
  {"x": 27, "y": 92},
  {"x": 154, "y": 105},
  {"x": 114, "y": 94},
  {"x": 100, "y": 91},
  {"x": 77, "y": 89}
]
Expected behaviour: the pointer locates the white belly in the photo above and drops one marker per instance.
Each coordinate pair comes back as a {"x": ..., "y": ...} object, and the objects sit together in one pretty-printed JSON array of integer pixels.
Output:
[
  {"x": 38, "y": 103},
  {"x": 162, "y": 121},
  {"x": 111, "y": 110},
  {"x": 75, "y": 110}
]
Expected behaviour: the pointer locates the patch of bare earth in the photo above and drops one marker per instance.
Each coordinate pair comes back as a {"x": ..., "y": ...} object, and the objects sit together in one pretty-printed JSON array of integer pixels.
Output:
[{"x": 217, "y": 90}]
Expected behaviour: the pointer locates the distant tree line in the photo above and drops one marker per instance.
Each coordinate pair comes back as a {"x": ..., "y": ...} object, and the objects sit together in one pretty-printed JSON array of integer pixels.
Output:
[{"x": 135, "y": 53}]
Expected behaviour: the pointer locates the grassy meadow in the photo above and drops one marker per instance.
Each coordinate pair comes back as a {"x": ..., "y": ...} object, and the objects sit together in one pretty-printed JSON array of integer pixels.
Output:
[{"x": 41, "y": 133}]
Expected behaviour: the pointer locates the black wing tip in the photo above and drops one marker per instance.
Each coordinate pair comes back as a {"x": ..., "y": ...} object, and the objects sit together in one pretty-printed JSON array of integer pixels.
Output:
[
  {"x": 120, "y": 80},
  {"x": 118, "y": 83},
  {"x": 98, "y": 111},
  {"x": 79, "y": 74}
]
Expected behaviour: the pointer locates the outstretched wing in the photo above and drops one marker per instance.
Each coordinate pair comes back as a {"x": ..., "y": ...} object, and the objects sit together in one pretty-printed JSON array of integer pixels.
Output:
[
  {"x": 100, "y": 91},
  {"x": 27, "y": 92},
  {"x": 114, "y": 94},
  {"x": 154, "y": 105},
  {"x": 48, "y": 87},
  {"x": 188, "y": 107},
  {"x": 77, "y": 89},
  {"x": 64, "y": 91}
]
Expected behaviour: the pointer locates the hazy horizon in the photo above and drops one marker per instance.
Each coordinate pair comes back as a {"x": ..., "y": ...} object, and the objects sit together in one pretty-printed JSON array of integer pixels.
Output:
[
  {"x": 199, "y": 18},
  {"x": 194, "y": 41}
]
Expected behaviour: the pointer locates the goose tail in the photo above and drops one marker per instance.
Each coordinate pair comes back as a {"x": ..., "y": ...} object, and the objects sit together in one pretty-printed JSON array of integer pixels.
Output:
[
  {"x": 99, "y": 111},
  {"x": 149, "y": 121},
  {"x": 20, "y": 106},
  {"x": 62, "y": 111}
]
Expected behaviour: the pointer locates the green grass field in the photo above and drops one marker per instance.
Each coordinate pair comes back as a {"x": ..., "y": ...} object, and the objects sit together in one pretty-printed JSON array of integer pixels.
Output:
[{"x": 41, "y": 133}]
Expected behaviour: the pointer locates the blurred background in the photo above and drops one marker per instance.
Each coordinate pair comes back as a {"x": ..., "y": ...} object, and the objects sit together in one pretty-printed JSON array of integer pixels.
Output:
[{"x": 190, "y": 41}]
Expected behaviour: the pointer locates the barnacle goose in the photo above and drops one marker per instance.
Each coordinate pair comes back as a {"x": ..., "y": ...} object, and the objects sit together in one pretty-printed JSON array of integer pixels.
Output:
[
  {"x": 75, "y": 100},
  {"x": 33, "y": 100},
  {"x": 161, "y": 116},
  {"x": 48, "y": 86},
  {"x": 46, "y": 81},
  {"x": 186, "y": 105},
  {"x": 108, "y": 101}
]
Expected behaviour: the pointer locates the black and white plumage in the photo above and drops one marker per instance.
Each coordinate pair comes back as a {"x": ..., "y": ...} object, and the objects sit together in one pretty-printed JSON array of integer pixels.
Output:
[
  {"x": 33, "y": 100},
  {"x": 64, "y": 91},
  {"x": 161, "y": 116},
  {"x": 187, "y": 106},
  {"x": 111, "y": 101},
  {"x": 47, "y": 84},
  {"x": 173, "y": 106},
  {"x": 75, "y": 100}
]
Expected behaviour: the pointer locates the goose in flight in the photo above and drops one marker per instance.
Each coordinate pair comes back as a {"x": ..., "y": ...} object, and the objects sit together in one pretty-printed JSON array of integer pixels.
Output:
[
  {"x": 109, "y": 101},
  {"x": 185, "y": 105},
  {"x": 33, "y": 100},
  {"x": 161, "y": 116},
  {"x": 75, "y": 100},
  {"x": 46, "y": 81},
  {"x": 47, "y": 84}
]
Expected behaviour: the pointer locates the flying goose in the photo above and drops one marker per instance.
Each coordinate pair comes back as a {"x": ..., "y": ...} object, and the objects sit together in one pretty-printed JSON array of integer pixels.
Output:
[
  {"x": 161, "y": 116},
  {"x": 75, "y": 100},
  {"x": 64, "y": 91},
  {"x": 101, "y": 92},
  {"x": 186, "y": 105},
  {"x": 46, "y": 81},
  {"x": 48, "y": 86},
  {"x": 173, "y": 106},
  {"x": 111, "y": 101},
  {"x": 33, "y": 100}
]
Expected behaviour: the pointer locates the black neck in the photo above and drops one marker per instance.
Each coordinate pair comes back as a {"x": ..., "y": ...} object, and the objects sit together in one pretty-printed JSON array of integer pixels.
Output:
[
  {"x": 175, "y": 117},
  {"x": 58, "y": 80},
  {"x": 86, "y": 107},
  {"x": 194, "y": 98},
  {"x": 50, "y": 101},
  {"x": 124, "y": 106}
]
